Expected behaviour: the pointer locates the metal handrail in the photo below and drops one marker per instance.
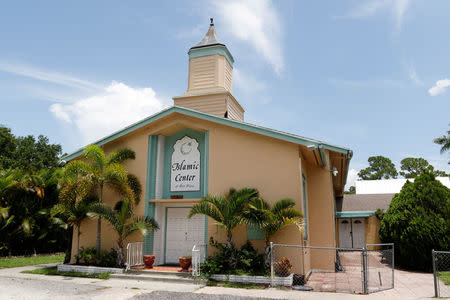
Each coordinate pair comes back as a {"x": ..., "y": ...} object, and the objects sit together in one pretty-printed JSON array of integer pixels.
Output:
[{"x": 135, "y": 255}]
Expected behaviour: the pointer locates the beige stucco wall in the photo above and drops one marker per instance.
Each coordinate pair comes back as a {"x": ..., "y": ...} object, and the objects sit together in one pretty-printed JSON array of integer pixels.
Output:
[
  {"x": 321, "y": 216},
  {"x": 241, "y": 159},
  {"x": 138, "y": 167},
  {"x": 373, "y": 230}
]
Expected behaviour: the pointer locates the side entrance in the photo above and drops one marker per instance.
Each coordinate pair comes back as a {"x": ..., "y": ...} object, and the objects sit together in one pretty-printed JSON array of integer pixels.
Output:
[{"x": 352, "y": 233}]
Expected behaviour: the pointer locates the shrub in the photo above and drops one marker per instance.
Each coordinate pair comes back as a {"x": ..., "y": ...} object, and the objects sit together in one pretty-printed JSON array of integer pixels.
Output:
[
  {"x": 417, "y": 221},
  {"x": 248, "y": 261},
  {"x": 88, "y": 256},
  {"x": 283, "y": 267}
]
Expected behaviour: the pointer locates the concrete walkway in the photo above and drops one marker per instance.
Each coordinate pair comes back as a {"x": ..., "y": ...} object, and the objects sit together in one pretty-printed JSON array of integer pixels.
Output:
[{"x": 15, "y": 285}]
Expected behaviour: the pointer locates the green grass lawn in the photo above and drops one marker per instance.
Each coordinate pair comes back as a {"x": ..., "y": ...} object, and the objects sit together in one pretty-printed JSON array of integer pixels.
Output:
[
  {"x": 445, "y": 276},
  {"x": 14, "y": 262},
  {"x": 54, "y": 271},
  {"x": 236, "y": 285}
]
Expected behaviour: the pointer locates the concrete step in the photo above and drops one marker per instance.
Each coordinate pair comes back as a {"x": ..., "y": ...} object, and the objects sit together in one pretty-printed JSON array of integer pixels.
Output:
[
  {"x": 153, "y": 276},
  {"x": 179, "y": 274}
]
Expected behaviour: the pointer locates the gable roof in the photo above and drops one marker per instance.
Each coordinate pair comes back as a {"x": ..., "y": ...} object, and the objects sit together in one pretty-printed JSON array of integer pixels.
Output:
[
  {"x": 224, "y": 121},
  {"x": 363, "y": 202}
]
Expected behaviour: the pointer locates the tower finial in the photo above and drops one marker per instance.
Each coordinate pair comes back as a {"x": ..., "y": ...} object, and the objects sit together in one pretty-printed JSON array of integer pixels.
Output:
[{"x": 212, "y": 22}]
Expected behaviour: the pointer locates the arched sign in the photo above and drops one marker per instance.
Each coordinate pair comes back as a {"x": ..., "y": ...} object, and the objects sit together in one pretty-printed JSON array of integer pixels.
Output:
[{"x": 185, "y": 166}]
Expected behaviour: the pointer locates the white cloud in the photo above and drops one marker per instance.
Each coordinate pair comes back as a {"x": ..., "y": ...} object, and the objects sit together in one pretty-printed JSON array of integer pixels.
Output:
[
  {"x": 43, "y": 75},
  {"x": 414, "y": 77},
  {"x": 351, "y": 178},
  {"x": 440, "y": 87},
  {"x": 117, "y": 106},
  {"x": 246, "y": 82},
  {"x": 370, "y": 8},
  {"x": 256, "y": 22}
]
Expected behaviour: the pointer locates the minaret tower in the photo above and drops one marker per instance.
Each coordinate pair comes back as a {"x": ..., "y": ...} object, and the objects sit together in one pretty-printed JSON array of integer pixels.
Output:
[{"x": 210, "y": 79}]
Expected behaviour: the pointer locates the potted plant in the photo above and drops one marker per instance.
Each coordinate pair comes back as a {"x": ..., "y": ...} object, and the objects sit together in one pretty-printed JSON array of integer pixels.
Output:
[
  {"x": 149, "y": 259},
  {"x": 185, "y": 263}
]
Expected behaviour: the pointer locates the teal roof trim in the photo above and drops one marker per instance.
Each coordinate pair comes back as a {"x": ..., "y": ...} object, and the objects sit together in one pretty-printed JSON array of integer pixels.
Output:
[
  {"x": 354, "y": 214},
  {"x": 211, "y": 50},
  {"x": 219, "y": 120}
]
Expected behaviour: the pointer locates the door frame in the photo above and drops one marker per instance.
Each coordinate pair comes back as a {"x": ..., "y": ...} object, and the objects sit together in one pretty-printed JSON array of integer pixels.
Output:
[
  {"x": 351, "y": 219},
  {"x": 165, "y": 229}
]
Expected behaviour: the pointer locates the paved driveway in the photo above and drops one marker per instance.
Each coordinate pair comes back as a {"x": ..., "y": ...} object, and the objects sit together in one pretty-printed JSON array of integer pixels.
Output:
[{"x": 14, "y": 285}]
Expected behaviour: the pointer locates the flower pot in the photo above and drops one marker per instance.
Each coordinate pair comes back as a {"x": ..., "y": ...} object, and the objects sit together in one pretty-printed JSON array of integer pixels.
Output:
[
  {"x": 149, "y": 259},
  {"x": 185, "y": 263}
]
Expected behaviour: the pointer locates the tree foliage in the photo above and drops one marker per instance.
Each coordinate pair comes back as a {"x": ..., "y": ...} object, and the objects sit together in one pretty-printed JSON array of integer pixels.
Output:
[
  {"x": 411, "y": 167},
  {"x": 351, "y": 190},
  {"x": 417, "y": 221},
  {"x": 27, "y": 153},
  {"x": 26, "y": 225},
  {"x": 270, "y": 219},
  {"x": 444, "y": 141},
  {"x": 225, "y": 210},
  {"x": 100, "y": 171},
  {"x": 380, "y": 167},
  {"x": 122, "y": 219}
]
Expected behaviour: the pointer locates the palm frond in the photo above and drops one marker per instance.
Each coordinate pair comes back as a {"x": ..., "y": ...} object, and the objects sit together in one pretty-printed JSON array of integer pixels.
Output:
[
  {"x": 119, "y": 156},
  {"x": 104, "y": 211},
  {"x": 115, "y": 173},
  {"x": 209, "y": 206},
  {"x": 143, "y": 225},
  {"x": 95, "y": 155},
  {"x": 135, "y": 186},
  {"x": 77, "y": 168},
  {"x": 282, "y": 204}
]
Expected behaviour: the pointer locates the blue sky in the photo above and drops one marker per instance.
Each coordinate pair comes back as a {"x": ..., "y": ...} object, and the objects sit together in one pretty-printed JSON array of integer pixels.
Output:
[{"x": 368, "y": 75}]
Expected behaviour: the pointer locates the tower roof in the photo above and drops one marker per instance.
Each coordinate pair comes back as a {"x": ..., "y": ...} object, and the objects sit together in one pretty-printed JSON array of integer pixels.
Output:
[{"x": 210, "y": 38}]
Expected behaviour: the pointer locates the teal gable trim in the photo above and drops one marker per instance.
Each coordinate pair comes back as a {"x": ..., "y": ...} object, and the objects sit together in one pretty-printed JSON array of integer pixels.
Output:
[
  {"x": 150, "y": 188},
  {"x": 212, "y": 50},
  {"x": 354, "y": 214},
  {"x": 170, "y": 142},
  {"x": 206, "y": 164},
  {"x": 254, "y": 233},
  {"x": 219, "y": 120},
  {"x": 322, "y": 156}
]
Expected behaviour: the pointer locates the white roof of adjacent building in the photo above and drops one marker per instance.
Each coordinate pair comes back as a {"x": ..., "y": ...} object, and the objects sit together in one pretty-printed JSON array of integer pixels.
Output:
[{"x": 388, "y": 186}]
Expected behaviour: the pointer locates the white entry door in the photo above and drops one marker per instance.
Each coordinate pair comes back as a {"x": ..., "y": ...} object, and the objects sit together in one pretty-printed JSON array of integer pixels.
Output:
[
  {"x": 182, "y": 233},
  {"x": 358, "y": 233},
  {"x": 345, "y": 233}
]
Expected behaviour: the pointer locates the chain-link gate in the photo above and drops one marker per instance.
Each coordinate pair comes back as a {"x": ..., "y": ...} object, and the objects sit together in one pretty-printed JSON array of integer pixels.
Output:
[
  {"x": 441, "y": 273},
  {"x": 380, "y": 267},
  {"x": 330, "y": 269}
]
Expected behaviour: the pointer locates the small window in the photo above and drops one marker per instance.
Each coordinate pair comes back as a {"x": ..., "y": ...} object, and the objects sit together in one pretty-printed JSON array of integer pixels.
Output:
[
  {"x": 226, "y": 115},
  {"x": 357, "y": 222},
  {"x": 344, "y": 222}
]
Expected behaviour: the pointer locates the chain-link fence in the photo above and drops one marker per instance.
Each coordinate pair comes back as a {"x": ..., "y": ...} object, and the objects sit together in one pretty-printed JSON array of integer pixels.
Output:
[
  {"x": 441, "y": 273},
  {"x": 329, "y": 269},
  {"x": 380, "y": 267}
]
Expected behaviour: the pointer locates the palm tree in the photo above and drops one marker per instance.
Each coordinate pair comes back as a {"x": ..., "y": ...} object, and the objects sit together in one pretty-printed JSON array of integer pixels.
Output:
[
  {"x": 123, "y": 221},
  {"x": 75, "y": 212},
  {"x": 225, "y": 210},
  {"x": 260, "y": 214},
  {"x": 444, "y": 141},
  {"x": 103, "y": 171}
]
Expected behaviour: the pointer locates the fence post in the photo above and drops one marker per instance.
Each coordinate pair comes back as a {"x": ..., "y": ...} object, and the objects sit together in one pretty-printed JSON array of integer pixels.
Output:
[
  {"x": 393, "y": 266},
  {"x": 364, "y": 266},
  {"x": 271, "y": 265},
  {"x": 436, "y": 290}
]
